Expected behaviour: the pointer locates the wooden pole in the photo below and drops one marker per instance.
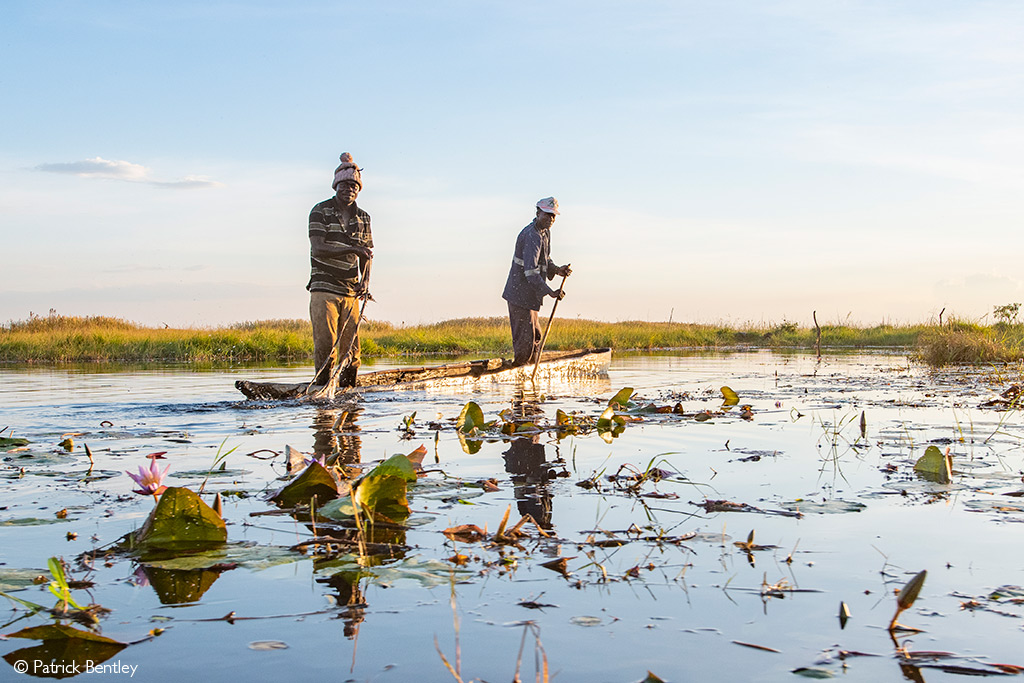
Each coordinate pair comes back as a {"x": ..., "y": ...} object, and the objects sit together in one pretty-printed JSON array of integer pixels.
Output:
[
  {"x": 547, "y": 329},
  {"x": 817, "y": 341},
  {"x": 328, "y": 389}
]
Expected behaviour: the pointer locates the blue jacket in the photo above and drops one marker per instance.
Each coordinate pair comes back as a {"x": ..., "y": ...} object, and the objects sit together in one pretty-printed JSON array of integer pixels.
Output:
[{"x": 531, "y": 268}]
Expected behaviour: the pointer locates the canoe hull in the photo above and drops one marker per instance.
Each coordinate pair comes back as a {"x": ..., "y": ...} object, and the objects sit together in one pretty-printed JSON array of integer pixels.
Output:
[{"x": 562, "y": 365}]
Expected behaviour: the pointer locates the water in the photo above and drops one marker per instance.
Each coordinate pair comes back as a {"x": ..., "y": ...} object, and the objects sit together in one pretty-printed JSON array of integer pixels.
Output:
[{"x": 684, "y": 607}]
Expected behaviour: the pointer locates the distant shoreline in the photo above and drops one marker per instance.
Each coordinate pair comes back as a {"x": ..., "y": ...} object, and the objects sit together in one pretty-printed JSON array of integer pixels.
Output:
[{"x": 71, "y": 339}]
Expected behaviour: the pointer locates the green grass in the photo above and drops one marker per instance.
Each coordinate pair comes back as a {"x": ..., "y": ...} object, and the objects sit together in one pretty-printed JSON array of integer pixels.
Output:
[
  {"x": 68, "y": 339},
  {"x": 960, "y": 342}
]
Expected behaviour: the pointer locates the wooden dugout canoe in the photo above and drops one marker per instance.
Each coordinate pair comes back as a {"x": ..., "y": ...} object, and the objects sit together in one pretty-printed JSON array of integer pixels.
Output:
[{"x": 577, "y": 364}]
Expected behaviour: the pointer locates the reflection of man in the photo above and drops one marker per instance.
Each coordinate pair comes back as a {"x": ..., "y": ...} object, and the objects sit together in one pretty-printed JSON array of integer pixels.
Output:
[
  {"x": 525, "y": 461},
  {"x": 527, "y": 284},
  {"x": 340, "y": 247},
  {"x": 338, "y": 444}
]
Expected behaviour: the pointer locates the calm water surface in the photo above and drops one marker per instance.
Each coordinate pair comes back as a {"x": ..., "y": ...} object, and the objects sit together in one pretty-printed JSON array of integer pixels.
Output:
[{"x": 684, "y": 609}]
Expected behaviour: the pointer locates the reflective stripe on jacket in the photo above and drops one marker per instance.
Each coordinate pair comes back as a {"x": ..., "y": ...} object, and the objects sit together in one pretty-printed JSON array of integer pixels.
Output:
[{"x": 530, "y": 270}]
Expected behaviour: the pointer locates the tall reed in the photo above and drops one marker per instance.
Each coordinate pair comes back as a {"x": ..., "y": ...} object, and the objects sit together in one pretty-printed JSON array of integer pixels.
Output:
[{"x": 63, "y": 339}]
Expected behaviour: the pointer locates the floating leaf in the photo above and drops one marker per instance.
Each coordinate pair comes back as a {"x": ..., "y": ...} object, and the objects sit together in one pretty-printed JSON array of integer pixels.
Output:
[
  {"x": 471, "y": 419},
  {"x": 586, "y": 621},
  {"x": 203, "y": 474},
  {"x": 314, "y": 482},
  {"x": 70, "y": 646},
  {"x": 10, "y": 442},
  {"x": 465, "y": 533},
  {"x": 416, "y": 457},
  {"x": 398, "y": 466},
  {"x": 935, "y": 466},
  {"x": 16, "y": 579},
  {"x": 730, "y": 396},
  {"x": 429, "y": 573},
  {"x": 813, "y": 672},
  {"x": 844, "y": 615},
  {"x": 609, "y": 420},
  {"x": 560, "y": 565},
  {"x": 826, "y": 507},
  {"x": 247, "y": 555},
  {"x": 180, "y": 521},
  {"x": 651, "y": 678},
  {"x": 30, "y": 521},
  {"x": 621, "y": 399},
  {"x": 295, "y": 459},
  {"x": 382, "y": 497},
  {"x": 264, "y": 645}
]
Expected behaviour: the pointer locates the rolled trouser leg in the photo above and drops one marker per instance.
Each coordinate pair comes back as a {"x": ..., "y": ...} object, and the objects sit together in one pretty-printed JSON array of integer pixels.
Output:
[
  {"x": 348, "y": 342},
  {"x": 323, "y": 313}
]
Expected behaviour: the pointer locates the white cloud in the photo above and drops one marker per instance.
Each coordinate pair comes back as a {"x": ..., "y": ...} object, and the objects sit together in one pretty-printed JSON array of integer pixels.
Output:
[{"x": 98, "y": 167}]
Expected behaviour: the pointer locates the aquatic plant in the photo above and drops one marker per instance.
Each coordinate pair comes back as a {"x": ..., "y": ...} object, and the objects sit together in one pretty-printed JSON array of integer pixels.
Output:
[
  {"x": 63, "y": 339},
  {"x": 59, "y": 586},
  {"x": 150, "y": 479}
]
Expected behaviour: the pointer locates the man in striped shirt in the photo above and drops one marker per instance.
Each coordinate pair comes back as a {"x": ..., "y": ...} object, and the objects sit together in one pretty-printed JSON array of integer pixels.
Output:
[
  {"x": 340, "y": 250},
  {"x": 527, "y": 284}
]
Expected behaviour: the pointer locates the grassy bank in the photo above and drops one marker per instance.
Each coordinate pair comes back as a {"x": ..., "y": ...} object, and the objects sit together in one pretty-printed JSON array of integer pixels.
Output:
[{"x": 63, "y": 339}]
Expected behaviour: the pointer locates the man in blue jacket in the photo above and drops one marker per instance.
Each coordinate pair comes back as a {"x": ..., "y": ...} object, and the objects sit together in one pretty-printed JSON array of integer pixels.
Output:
[{"x": 527, "y": 284}]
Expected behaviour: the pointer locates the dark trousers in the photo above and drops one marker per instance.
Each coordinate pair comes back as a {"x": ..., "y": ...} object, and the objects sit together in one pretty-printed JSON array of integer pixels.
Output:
[{"x": 525, "y": 334}]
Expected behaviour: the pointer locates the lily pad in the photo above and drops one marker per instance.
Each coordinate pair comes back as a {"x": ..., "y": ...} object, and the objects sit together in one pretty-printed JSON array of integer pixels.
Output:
[
  {"x": 203, "y": 474},
  {"x": 180, "y": 521},
  {"x": 31, "y": 521},
  {"x": 471, "y": 419},
  {"x": 994, "y": 505},
  {"x": 7, "y": 442},
  {"x": 66, "y": 644},
  {"x": 314, "y": 481},
  {"x": 730, "y": 397},
  {"x": 396, "y": 465},
  {"x": 621, "y": 398},
  {"x": 834, "y": 506},
  {"x": 15, "y": 579},
  {"x": 427, "y": 572},
  {"x": 382, "y": 497},
  {"x": 935, "y": 466},
  {"x": 247, "y": 555}
]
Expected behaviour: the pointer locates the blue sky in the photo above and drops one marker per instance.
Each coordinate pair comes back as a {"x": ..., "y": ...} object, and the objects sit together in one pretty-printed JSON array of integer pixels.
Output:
[{"x": 714, "y": 161}]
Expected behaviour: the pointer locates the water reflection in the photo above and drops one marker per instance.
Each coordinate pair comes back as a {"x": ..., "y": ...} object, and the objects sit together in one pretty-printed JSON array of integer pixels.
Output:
[
  {"x": 340, "y": 558},
  {"x": 526, "y": 461},
  {"x": 336, "y": 435},
  {"x": 350, "y": 597},
  {"x": 178, "y": 586}
]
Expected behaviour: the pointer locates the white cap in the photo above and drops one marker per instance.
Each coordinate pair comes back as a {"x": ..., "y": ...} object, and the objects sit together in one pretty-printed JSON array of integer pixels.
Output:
[{"x": 548, "y": 205}]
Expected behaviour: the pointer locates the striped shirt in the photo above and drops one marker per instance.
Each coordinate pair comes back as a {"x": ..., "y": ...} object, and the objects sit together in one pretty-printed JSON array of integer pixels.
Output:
[{"x": 337, "y": 274}]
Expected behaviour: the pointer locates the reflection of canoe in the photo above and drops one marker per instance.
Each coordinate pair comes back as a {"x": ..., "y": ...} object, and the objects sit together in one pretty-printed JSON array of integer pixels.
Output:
[{"x": 554, "y": 364}]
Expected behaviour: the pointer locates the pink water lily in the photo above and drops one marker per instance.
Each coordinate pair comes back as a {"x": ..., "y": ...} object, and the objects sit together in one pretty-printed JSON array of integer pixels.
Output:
[
  {"x": 309, "y": 461},
  {"x": 151, "y": 479}
]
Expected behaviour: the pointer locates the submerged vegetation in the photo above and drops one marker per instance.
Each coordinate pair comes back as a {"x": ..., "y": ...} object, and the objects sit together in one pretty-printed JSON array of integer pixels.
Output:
[{"x": 64, "y": 339}]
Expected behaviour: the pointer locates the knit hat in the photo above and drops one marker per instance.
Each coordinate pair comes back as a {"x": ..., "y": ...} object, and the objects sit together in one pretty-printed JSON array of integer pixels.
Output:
[
  {"x": 548, "y": 205},
  {"x": 347, "y": 170}
]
